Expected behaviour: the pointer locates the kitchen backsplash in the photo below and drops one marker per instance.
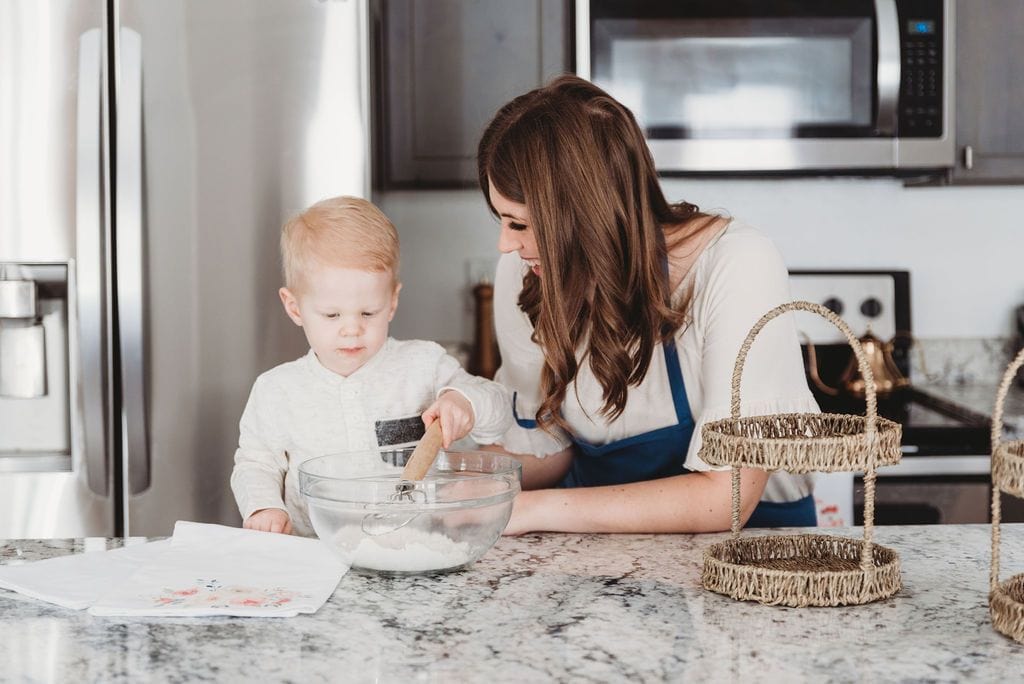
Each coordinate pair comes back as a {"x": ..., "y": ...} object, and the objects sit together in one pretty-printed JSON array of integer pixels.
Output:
[
  {"x": 968, "y": 372},
  {"x": 980, "y": 361},
  {"x": 959, "y": 245}
]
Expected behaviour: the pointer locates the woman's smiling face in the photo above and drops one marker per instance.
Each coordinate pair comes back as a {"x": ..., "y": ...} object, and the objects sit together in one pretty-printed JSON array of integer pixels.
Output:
[{"x": 517, "y": 233}]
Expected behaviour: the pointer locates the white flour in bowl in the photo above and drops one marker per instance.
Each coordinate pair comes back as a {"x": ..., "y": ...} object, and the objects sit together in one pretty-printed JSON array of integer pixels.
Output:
[{"x": 410, "y": 550}]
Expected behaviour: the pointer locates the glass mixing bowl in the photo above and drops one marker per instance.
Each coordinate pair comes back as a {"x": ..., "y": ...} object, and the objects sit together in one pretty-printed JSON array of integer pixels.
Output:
[{"x": 442, "y": 523}]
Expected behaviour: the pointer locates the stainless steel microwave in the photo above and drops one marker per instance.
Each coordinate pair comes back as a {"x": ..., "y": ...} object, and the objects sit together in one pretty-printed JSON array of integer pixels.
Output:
[{"x": 779, "y": 85}]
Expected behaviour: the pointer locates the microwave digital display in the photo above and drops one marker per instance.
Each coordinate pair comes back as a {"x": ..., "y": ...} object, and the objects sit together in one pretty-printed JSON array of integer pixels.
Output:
[{"x": 920, "y": 28}]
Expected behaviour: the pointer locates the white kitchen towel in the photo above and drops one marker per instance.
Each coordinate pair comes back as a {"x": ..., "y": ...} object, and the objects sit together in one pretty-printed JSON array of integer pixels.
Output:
[
  {"x": 217, "y": 570},
  {"x": 77, "y": 581}
]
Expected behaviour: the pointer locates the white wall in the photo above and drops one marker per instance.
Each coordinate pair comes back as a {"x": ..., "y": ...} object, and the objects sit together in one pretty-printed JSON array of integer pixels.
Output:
[{"x": 963, "y": 246}]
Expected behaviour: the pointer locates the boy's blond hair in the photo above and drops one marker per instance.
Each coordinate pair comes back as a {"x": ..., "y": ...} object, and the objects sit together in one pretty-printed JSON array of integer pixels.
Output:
[{"x": 341, "y": 231}]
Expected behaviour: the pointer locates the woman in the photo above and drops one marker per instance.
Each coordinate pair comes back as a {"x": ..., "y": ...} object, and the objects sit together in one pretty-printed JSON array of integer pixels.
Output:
[{"x": 619, "y": 318}]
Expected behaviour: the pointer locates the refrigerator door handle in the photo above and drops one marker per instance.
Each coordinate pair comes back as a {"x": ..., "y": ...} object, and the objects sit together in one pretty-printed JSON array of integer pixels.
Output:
[
  {"x": 130, "y": 258},
  {"x": 88, "y": 273}
]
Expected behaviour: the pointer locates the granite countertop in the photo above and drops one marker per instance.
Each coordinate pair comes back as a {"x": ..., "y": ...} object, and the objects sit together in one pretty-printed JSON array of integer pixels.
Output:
[
  {"x": 551, "y": 607},
  {"x": 980, "y": 398}
]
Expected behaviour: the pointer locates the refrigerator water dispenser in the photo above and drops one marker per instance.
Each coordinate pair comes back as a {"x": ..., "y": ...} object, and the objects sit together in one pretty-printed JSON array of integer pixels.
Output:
[
  {"x": 22, "y": 340},
  {"x": 35, "y": 401},
  {"x": 17, "y": 297},
  {"x": 22, "y": 360}
]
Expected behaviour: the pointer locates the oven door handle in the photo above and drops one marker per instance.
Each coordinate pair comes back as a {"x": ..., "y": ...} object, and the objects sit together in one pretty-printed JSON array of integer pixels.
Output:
[
  {"x": 937, "y": 466},
  {"x": 889, "y": 67}
]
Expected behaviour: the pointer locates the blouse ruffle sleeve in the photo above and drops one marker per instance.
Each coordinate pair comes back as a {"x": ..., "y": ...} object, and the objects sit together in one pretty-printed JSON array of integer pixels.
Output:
[
  {"x": 521, "y": 364},
  {"x": 743, "y": 279}
]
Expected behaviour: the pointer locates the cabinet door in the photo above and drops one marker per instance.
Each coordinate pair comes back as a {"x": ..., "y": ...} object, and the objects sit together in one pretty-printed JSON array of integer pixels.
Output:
[
  {"x": 447, "y": 66},
  {"x": 990, "y": 91}
]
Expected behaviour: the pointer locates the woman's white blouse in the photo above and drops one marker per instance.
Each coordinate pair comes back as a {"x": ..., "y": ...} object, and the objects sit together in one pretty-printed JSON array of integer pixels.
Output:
[{"x": 738, "y": 278}]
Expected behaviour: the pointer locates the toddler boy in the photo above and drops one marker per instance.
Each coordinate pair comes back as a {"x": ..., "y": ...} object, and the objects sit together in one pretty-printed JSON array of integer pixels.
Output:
[{"x": 357, "y": 389}]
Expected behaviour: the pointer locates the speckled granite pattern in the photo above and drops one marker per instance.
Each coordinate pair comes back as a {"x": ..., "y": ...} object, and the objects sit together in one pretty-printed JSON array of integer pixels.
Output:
[
  {"x": 960, "y": 361},
  {"x": 552, "y": 607},
  {"x": 967, "y": 372},
  {"x": 981, "y": 399}
]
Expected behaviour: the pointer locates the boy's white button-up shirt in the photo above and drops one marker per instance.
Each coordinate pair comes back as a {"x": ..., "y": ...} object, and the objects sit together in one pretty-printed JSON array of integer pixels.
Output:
[{"x": 300, "y": 410}]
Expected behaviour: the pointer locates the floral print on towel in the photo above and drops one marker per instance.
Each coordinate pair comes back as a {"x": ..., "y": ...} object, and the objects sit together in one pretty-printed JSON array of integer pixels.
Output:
[{"x": 212, "y": 594}]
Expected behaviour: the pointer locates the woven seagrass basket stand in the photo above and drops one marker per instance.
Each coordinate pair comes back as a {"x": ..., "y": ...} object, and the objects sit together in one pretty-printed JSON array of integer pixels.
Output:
[
  {"x": 806, "y": 569},
  {"x": 1005, "y": 599}
]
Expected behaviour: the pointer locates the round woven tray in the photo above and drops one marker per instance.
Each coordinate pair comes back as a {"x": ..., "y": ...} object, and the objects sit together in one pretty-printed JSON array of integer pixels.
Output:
[
  {"x": 1006, "y": 606},
  {"x": 802, "y": 570},
  {"x": 1008, "y": 467},
  {"x": 802, "y": 442},
  {"x": 1005, "y": 599}
]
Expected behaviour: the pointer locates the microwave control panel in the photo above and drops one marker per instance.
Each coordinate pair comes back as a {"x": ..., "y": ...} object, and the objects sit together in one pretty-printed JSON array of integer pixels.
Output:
[{"x": 921, "y": 53}]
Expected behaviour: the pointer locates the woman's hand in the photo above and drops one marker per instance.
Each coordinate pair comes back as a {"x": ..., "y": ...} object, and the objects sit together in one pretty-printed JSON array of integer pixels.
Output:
[
  {"x": 269, "y": 520},
  {"x": 456, "y": 416}
]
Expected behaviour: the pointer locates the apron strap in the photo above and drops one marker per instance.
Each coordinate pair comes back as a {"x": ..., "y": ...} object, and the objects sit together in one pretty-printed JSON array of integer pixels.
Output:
[
  {"x": 675, "y": 372},
  {"x": 521, "y": 422},
  {"x": 676, "y": 382}
]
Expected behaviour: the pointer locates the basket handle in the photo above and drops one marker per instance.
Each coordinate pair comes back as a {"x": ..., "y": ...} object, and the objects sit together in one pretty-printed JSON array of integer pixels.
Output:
[
  {"x": 997, "y": 436},
  {"x": 867, "y": 557},
  {"x": 862, "y": 361}
]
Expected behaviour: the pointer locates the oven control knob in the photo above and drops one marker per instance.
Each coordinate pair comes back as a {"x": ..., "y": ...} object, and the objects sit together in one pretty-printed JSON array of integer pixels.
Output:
[
  {"x": 871, "y": 307},
  {"x": 834, "y": 304}
]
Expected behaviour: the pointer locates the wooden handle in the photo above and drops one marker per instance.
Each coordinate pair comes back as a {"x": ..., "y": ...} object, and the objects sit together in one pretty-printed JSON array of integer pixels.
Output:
[
  {"x": 424, "y": 454},
  {"x": 486, "y": 357}
]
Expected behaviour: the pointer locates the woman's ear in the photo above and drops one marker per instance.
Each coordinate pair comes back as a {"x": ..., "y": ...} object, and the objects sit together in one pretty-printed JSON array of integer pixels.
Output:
[
  {"x": 291, "y": 305},
  {"x": 394, "y": 301}
]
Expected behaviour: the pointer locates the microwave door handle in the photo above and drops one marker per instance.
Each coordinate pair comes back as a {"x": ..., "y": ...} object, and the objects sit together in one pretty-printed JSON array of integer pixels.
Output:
[
  {"x": 582, "y": 38},
  {"x": 88, "y": 273},
  {"x": 129, "y": 263},
  {"x": 889, "y": 65}
]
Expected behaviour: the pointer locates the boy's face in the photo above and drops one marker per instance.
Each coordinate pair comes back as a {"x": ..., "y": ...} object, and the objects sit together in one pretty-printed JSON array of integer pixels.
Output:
[{"x": 345, "y": 314}]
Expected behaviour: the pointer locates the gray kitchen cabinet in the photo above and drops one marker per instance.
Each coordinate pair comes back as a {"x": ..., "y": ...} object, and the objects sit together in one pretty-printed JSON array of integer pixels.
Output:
[
  {"x": 989, "y": 92},
  {"x": 445, "y": 67}
]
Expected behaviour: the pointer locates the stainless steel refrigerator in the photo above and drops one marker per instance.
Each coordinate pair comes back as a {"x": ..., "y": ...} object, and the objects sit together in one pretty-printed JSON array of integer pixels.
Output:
[{"x": 149, "y": 153}]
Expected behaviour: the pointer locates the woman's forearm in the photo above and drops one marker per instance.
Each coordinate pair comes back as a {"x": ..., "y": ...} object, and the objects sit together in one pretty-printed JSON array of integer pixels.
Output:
[
  {"x": 539, "y": 472},
  {"x": 696, "y": 502}
]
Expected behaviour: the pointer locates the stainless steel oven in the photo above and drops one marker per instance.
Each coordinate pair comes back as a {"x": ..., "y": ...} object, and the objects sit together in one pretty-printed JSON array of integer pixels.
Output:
[
  {"x": 779, "y": 85},
  {"x": 943, "y": 476}
]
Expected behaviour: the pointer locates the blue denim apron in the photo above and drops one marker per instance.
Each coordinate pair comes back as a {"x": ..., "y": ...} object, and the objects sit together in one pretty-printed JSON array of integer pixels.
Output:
[{"x": 660, "y": 453}]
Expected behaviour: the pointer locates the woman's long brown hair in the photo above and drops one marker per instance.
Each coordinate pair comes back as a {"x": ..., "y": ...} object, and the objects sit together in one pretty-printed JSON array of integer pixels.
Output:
[{"x": 578, "y": 161}]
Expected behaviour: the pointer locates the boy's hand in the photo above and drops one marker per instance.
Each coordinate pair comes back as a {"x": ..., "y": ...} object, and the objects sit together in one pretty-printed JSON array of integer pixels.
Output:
[
  {"x": 269, "y": 520},
  {"x": 456, "y": 416}
]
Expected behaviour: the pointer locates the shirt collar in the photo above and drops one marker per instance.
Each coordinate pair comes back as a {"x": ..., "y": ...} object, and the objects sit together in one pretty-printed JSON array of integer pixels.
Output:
[{"x": 325, "y": 374}]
